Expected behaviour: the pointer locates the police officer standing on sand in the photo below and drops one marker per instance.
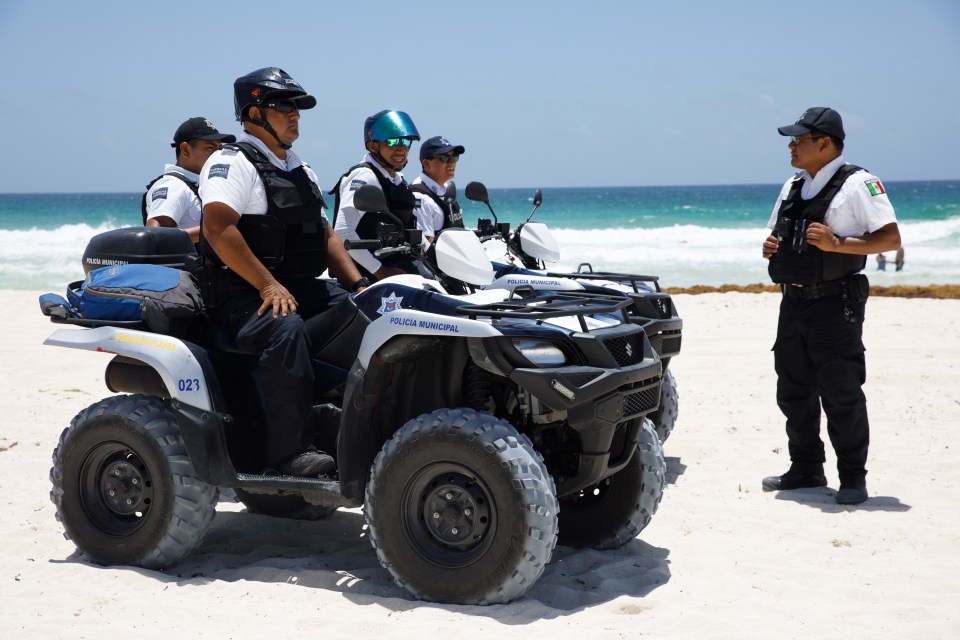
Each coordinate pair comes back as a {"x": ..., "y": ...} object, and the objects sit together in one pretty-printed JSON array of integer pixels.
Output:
[
  {"x": 387, "y": 136},
  {"x": 172, "y": 199},
  {"x": 265, "y": 238},
  {"x": 828, "y": 218},
  {"x": 438, "y": 159}
]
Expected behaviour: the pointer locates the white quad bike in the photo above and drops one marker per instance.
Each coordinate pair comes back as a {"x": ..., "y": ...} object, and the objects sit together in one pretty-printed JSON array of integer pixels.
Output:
[
  {"x": 476, "y": 431},
  {"x": 534, "y": 246}
]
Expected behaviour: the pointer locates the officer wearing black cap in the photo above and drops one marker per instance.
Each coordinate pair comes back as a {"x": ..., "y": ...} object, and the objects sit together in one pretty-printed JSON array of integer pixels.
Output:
[
  {"x": 264, "y": 241},
  {"x": 438, "y": 160},
  {"x": 171, "y": 199},
  {"x": 828, "y": 218}
]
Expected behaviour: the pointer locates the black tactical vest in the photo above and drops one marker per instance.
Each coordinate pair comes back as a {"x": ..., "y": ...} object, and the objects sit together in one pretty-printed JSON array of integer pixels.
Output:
[
  {"x": 399, "y": 198},
  {"x": 797, "y": 262},
  {"x": 452, "y": 216},
  {"x": 290, "y": 238},
  {"x": 143, "y": 200}
]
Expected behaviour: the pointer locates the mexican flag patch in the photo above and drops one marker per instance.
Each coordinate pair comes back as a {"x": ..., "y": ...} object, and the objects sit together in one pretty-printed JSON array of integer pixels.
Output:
[{"x": 875, "y": 187}]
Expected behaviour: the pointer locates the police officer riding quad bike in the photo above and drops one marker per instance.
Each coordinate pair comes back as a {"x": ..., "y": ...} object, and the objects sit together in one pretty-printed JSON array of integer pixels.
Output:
[
  {"x": 475, "y": 431},
  {"x": 534, "y": 246}
]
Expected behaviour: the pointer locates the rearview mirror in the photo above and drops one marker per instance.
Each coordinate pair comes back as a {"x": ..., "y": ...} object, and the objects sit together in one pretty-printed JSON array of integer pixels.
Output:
[
  {"x": 477, "y": 192},
  {"x": 370, "y": 198}
]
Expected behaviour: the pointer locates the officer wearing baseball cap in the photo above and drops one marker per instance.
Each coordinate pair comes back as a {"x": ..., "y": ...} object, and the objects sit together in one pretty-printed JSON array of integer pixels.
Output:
[
  {"x": 171, "y": 199},
  {"x": 827, "y": 219},
  {"x": 438, "y": 161}
]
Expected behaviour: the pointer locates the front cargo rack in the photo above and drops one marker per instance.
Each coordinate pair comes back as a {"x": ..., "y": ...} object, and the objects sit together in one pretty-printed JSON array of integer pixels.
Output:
[{"x": 552, "y": 305}]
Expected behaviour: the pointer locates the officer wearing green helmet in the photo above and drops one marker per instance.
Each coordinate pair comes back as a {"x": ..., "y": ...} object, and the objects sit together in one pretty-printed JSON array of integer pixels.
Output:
[{"x": 387, "y": 136}]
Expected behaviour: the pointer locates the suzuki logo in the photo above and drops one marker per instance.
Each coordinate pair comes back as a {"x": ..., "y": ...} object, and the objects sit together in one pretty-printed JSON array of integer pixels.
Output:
[{"x": 629, "y": 350}]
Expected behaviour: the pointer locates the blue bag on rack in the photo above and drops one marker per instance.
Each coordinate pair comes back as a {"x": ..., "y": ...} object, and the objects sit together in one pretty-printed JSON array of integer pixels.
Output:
[{"x": 166, "y": 300}]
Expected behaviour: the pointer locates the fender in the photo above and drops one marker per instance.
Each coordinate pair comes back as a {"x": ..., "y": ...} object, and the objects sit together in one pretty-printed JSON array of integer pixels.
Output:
[
  {"x": 170, "y": 358},
  {"x": 413, "y": 322}
]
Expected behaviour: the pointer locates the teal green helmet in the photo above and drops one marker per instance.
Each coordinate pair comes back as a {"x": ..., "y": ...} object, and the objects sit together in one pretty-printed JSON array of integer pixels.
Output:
[{"x": 387, "y": 124}]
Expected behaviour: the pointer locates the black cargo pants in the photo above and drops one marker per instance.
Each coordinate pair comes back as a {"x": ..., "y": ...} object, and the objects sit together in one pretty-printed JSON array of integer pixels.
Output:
[
  {"x": 819, "y": 359},
  {"x": 284, "y": 365}
]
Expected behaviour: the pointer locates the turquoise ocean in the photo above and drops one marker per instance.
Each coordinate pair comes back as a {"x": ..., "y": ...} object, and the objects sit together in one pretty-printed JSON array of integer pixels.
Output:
[{"x": 708, "y": 235}]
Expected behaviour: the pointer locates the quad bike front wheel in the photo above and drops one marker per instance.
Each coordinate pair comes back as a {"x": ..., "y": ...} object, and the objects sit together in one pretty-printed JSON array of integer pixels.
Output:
[
  {"x": 610, "y": 514},
  {"x": 665, "y": 417},
  {"x": 461, "y": 508},
  {"x": 124, "y": 488}
]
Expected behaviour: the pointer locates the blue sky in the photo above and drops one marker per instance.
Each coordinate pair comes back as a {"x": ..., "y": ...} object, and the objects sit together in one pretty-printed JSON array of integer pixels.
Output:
[{"x": 600, "y": 93}]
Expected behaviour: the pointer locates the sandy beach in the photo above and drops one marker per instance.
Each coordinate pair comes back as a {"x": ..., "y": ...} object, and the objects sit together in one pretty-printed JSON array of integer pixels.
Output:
[{"x": 721, "y": 558}]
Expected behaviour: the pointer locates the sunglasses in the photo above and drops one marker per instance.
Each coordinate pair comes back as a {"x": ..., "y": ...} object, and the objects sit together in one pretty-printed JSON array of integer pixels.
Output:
[
  {"x": 398, "y": 142},
  {"x": 447, "y": 159},
  {"x": 798, "y": 140},
  {"x": 282, "y": 106}
]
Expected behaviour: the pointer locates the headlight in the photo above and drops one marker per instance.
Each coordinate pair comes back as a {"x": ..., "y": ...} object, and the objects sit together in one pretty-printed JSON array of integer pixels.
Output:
[{"x": 541, "y": 354}]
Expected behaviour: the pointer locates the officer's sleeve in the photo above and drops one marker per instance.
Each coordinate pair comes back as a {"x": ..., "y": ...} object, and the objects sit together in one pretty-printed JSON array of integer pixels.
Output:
[
  {"x": 227, "y": 177},
  {"x": 348, "y": 216},
  {"x": 784, "y": 191},
  {"x": 161, "y": 199},
  {"x": 869, "y": 201},
  {"x": 426, "y": 218}
]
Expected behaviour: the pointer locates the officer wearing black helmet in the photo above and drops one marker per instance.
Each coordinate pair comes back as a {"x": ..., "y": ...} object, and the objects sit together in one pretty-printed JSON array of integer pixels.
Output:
[
  {"x": 387, "y": 136},
  {"x": 827, "y": 219},
  {"x": 264, "y": 239}
]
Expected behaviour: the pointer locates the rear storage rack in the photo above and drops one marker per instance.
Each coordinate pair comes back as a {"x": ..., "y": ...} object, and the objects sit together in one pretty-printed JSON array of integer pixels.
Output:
[
  {"x": 523, "y": 303},
  {"x": 631, "y": 278}
]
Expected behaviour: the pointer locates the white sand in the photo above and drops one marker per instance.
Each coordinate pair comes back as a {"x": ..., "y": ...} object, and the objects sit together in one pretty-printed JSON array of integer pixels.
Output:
[{"x": 721, "y": 558}]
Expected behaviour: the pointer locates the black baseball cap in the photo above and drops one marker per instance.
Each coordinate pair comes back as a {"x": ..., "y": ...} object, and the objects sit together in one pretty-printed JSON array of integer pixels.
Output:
[
  {"x": 822, "y": 119},
  {"x": 438, "y": 146},
  {"x": 199, "y": 129}
]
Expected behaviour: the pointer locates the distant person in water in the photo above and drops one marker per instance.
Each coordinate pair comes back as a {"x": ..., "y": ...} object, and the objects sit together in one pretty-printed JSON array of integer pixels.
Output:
[
  {"x": 172, "y": 200},
  {"x": 898, "y": 261}
]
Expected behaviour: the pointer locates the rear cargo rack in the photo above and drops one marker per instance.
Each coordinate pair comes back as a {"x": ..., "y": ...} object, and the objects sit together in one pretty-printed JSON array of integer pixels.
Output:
[
  {"x": 633, "y": 279},
  {"x": 552, "y": 305}
]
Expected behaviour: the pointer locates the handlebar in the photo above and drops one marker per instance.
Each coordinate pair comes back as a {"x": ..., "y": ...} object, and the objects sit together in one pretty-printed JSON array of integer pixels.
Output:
[{"x": 370, "y": 245}]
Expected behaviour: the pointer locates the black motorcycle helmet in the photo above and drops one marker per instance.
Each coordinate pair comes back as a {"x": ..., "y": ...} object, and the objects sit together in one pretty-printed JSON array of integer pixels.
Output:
[{"x": 263, "y": 85}]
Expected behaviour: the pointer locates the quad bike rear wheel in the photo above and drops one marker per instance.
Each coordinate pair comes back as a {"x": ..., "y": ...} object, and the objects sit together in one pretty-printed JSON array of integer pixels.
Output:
[{"x": 124, "y": 488}]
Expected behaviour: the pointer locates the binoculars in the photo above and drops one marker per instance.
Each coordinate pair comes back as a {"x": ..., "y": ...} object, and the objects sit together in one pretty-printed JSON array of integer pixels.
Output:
[{"x": 792, "y": 232}]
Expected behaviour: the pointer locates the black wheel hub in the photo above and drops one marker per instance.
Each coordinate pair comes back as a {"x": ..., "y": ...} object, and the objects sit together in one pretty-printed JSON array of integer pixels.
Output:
[
  {"x": 449, "y": 515},
  {"x": 116, "y": 488},
  {"x": 121, "y": 487}
]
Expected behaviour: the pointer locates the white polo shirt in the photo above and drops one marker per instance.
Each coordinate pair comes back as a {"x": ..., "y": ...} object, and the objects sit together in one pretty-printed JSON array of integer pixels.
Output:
[
  {"x": 171, "y": 197},
  {"x": 861, "y": 206},
  {"x": 228, "y": 177},
  {"x": 348, "y": 216},
  {"x": 430, "y": 217}
]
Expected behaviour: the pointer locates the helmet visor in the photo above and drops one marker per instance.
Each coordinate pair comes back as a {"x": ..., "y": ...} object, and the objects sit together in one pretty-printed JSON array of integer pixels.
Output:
[
  {"x": 394, "y": 124},
  {"x": 302, "y": 101}
]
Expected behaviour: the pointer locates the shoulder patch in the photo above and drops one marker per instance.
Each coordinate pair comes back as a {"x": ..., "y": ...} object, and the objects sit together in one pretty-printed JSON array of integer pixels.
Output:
[
  {"x": 356, "y": 184},
  {"x": 874, "y": 187},
  {"x": 218, "y": 171},
  {"x": 159, "y": 194}
]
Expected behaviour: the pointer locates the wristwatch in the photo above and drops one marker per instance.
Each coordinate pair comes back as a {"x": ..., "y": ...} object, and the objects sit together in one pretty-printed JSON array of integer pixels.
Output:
[{"x": 362, "y": 282}]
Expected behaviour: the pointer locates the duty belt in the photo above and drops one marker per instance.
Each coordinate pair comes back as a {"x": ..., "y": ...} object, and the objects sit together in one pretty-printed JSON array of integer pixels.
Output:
[{"x": 814, "y": 291}]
